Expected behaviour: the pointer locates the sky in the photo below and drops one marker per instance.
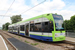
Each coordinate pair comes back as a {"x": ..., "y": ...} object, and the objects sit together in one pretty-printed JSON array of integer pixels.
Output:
[{"x": 66, "y": 8}]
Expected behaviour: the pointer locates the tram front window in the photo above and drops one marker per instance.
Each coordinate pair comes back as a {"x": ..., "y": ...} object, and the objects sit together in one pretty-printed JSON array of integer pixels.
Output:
[{"x": 58, "y": 22}]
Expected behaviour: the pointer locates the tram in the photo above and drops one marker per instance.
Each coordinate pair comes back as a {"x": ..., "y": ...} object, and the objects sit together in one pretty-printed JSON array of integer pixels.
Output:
[{"x": 46, "y": 27}]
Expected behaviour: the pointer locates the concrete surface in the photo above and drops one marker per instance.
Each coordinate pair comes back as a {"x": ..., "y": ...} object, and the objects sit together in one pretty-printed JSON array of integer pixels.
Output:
[
  {"x": 3, "y": 45},
  {"x": 21, "y": 45}
]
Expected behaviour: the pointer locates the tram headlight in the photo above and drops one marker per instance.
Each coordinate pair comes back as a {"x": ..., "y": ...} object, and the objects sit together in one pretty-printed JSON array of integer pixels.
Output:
[
  {"x": 64, "y": 34},
  {"x": 56, "y": 35}
]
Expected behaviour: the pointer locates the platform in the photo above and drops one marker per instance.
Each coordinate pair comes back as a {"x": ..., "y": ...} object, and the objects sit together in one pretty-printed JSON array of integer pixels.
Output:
[
  {"x": 21, "y": 45},
  {"x": 70, "y": 39},
  {"x": 3, "y": 45}
]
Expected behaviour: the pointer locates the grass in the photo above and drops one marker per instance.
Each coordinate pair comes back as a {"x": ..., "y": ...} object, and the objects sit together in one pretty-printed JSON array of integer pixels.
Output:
[
  {"x": 34, "y": 43},
  {"x": 19, "y": 37},
  {"x": 14, "y": 36},
  {"x": 26, "y": 41},
  {"x": 5, "y": 30}
]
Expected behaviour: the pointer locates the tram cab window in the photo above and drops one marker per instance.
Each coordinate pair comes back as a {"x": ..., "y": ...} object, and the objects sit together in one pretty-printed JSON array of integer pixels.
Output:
[
  {"x": 31, "y": 27},
  {"x": 22, "y": 28},
  {"x": 38, "y": 27}
]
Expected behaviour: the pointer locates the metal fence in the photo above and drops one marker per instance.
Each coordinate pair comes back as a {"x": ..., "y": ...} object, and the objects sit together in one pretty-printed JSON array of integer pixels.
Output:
[{"x": 70, "y": 33}]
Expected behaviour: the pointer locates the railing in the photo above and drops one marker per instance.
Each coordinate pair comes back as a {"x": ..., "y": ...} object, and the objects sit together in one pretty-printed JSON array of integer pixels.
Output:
[{"x": 70, "y": 33}]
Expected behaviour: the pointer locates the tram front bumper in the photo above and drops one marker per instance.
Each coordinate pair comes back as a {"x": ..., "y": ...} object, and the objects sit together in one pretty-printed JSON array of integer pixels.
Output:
[{"x": 61, "y": 38}]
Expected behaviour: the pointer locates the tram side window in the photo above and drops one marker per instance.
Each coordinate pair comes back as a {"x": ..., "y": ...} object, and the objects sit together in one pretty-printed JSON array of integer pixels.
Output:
[
  {"x": 31, "y": 27},
  {"x": 10, "y": 28},
  {"x": 38, "y": 27},
  {"x": 46, "y": 27},
  {"x": 22, "y": 28},
  {"x": 14, "y": 28}
]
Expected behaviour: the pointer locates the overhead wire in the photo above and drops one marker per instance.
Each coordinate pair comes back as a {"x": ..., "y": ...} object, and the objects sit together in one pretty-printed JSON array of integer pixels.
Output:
[
  {"x": 5, "y": 15},
  {"x": 24, "y": 11},
  {"x": 8, "y": 9},
  {"x": 33, "y": 7}
]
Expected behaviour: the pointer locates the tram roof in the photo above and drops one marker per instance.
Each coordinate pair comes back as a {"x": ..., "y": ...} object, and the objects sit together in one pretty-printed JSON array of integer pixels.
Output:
[{"x": 44, "y": 15}]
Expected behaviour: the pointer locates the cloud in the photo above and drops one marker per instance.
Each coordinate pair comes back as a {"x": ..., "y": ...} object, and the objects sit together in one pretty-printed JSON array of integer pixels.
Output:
[
  {"x": 67, "y": 14},
  {"x": 34, "y": 2},
  {"x": 19, "y": 6},
  {"x": 4, "y": 20},
  {"x": 46, "y": 7},
  {"x": 55, "y": 6}
]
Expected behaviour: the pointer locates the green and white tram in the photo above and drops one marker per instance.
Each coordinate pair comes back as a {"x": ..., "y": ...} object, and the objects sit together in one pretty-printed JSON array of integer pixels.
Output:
[{"x": 46, "y": 27}]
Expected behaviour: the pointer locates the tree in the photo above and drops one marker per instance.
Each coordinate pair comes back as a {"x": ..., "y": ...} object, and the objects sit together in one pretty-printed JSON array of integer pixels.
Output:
[
  {"x": 16, "y": 18},
  {"x": 56, "y": 13},
  {"x": 70, "y": 24},
  {"x": 67, "y": 25},
  {"x": 72, "y": 20},
  {"x": 5, "y": 26}
]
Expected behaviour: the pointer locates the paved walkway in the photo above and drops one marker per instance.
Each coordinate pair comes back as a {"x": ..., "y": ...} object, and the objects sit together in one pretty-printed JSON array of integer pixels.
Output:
[
  {"x": 21, "y": 45},
  {"x": 70, "y": 39},
  {"x": 3, "y": 45}
]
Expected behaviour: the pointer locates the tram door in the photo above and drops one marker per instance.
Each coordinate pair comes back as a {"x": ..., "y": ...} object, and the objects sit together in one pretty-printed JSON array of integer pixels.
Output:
[{"x": 27, "y": 30}]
